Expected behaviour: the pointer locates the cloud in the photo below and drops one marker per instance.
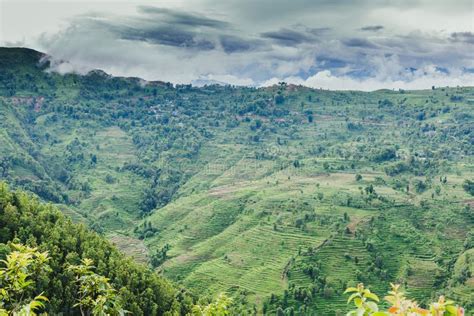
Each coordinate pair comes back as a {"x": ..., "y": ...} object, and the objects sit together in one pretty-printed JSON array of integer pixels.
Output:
[
  {"x": 155, "y": 31},
  {"x": 166, "y": 35},
  {"x": 466, "y": 37},
  {"x": 223, "y": 80},
  {"x": 182, "y": 18},
  {"x": 232, "y": 44},
  {"x": 359, "y": 42},
  {"x": 329, "y": 62},
  {"x": 287, "y": 37},
  {"x": 312, "y": 43},
  {"x": 372, "y": 28},
  {"x": 326, "y": 80}
]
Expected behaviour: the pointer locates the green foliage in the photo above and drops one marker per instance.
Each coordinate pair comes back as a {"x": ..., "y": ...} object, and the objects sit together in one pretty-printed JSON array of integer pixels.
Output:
[
  {"x": 383, "y": 154},
  {"x": 159, "y": 256},
  {"x": 95, "y": 294},
  {"x": 364, "y": 300},
  {"x": 142, "y": 292},
  {"x": 24, "y": 265},
  {"x": 366, "y": 303},
  {"x": 468, "y": 186},
  {"x": 220, "y": 307},
  {"x": 17, "y": 278}
]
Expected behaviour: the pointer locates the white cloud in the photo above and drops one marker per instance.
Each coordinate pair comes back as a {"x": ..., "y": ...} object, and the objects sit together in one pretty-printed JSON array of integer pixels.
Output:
[
  {"x": 422, "y": 80},
  {"x": 223, "y": 79},
  {"x": 414, "y": 42}
]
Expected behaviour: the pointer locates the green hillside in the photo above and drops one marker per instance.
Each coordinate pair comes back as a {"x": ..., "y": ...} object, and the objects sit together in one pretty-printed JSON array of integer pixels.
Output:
[
  {"x": 280, "y": 196},
  {"x": 25, "y": 220}
]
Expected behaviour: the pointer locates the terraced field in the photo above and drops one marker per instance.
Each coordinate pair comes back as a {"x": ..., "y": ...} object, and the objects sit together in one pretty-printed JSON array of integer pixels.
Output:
[{"x": 260, "y": 250}]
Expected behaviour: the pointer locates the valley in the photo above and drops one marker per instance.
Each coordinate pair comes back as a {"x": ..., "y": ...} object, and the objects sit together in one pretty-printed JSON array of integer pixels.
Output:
[{"x": 281, "y": 197}]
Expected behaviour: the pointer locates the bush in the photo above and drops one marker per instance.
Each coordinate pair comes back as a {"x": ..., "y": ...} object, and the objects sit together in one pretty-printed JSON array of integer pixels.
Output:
[
  {"x": 383, "y": 154},
  {"x": 366, "y": 303},
  {"x": 468, "y": 186},
  {"x": 16, "y": 281}
]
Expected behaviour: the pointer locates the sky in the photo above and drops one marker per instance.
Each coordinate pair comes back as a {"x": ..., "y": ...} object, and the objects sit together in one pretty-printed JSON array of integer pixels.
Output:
[{"x": 329, "y": 44}]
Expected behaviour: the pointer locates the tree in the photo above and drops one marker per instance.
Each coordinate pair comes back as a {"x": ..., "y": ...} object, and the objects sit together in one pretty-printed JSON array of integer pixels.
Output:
[
  {"x": 383, "y": 154},
  {"x": 369, "y": 189},
  {"x": 4, "y": 166},
  {"x": 328, "y": 292},
  {"x": 280, "y": 312},
  {"x": 109, "y": 179},
  {"x": 16, "y": 280},
  {"x": 468, "y": 186},
  {"x": 320, "y": 196},
  {"x": 25, "y": 219},
  {"x": 160, "y": 256},
  {"x": 346, "y": 217},
  {"x": 420, "y": 186},
  {"x": 279, "y": 99},
  {"x": 366, "y": 303},
  {"x": 95, "y": 294},
  {"x": 220, "y": 307},
  {"x": 358, "y": 177},
  {"x": 296, "y": 163}
]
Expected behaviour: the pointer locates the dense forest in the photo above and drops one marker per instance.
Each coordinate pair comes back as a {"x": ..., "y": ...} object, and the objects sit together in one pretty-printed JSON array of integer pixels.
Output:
[
  {"x": 281, "y": 197},
  {"x": 24, "y": 220}
]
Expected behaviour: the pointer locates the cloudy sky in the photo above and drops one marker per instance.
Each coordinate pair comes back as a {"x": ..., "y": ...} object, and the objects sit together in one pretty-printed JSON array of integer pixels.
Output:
[{"x": 352, "y": 44}]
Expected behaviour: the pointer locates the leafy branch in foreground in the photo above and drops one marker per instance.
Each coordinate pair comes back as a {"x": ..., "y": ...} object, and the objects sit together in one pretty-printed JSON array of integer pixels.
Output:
[
  {"x": 96, "y": 295},
  {"x": 15, "y": 281},
  {"x": 220, "y": 307},
  {"x": 366, "y": 303}
]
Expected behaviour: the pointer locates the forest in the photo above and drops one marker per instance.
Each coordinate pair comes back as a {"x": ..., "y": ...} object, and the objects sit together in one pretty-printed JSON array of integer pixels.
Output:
[{"x": 276, "y": 199}]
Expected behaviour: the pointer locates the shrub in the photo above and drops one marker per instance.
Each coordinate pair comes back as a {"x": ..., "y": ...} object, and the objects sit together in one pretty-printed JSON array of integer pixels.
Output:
[
  {"x": 220, "y": 307},
  {"x": 95, "y": 294},
  {"x": 23, "y": 265},
  {"x": 383, "y": 154},
  {"x": 16, "y": 281},
  {"x": 468, "y": 186},
  {"x": 366, "y": 303}
]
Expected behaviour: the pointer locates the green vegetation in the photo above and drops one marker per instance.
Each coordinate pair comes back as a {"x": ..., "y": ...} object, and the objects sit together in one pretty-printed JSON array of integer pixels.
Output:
[
  {"x": 221, "y": 307},
  {"x": 468, "y": 186},
  {"x": 366, "y": 303},
  {"x": 95, "y": 295},
  {"x": 65, "y": 247},
  {"x": 20, "y": 265},
  {"x": 281, "y": 197}
]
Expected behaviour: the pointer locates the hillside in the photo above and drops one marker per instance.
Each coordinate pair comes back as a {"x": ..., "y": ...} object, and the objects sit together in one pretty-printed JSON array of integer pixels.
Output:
[
  {"x": 24, "y": 220},
  {"x": 280, "y": 196}
]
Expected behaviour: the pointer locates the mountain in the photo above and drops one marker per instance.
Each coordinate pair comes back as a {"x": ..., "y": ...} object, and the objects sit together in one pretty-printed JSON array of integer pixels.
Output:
[
  {"x": 25, "y": 220},
  {"x": 280, "y": 196}
]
